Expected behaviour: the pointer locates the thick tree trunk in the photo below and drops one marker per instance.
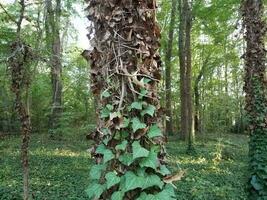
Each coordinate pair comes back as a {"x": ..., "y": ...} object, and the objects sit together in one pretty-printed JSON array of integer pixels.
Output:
[
  {"x": 169, "y": 118},
  {"x": 187, "y": 130},
  {"x": 125, "y": 72},
  {"x": 256, "y": 95},
  {"x": 54, "y": 45}
]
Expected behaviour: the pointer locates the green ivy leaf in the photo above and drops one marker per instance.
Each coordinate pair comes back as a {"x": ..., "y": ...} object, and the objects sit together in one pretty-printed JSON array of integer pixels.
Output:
[
  {"x": 131, "y": 182},
  {"x": 105, "y": 94},
  {"x": 142, "y": 93},
  {"x": 154, "y": 131},
  {"x": 104, "y": 113},
  {"x": 136, "y": 105},
  {"x": 164, "y": 170},
  {"x": 95, "y": 190},
  {"x": 114, "y": 115},
  {"x": 136, "y": 124},
  {"x": 167, "y": 193},
  {"x": 96, "y": 171},
  {"x": 122, "y": 146},
  {"x": 117, "y": 195},
  {"x": 150, "y": 110},
  {"x": 139, "y": 151},
  {"x": 145, "y": 196},
  {"x": 107, "y": 153},
  {"x": 126, "y": 159},
  {"x": 150, "y": 161},
  {"x": 125, "y": 123},
  {"x": 145, "y": 80},
  {"x": 152, "y": 180},
  {"x": 112, "y": 179},
  {"x": 110, "y": 107}
]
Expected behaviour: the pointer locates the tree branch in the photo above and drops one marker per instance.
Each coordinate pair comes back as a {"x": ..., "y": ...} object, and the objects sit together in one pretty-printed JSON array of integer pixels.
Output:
[{"x": 10, "y": 17}]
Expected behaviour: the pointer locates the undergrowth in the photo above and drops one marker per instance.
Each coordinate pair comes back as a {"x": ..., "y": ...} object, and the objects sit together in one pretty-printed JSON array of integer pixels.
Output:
[{"x": 59, "y": 169}]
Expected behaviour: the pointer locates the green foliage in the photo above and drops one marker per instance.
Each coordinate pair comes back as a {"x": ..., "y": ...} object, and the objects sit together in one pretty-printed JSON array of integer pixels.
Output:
[
  {"x": 139, "y": 151},
  {"x": 137, "y": 124},
  {"x": 154, "y": 131},
  {"x": 112, "y": 179},
  {"x": 108, "y": 155},
  {"x": 68, "y": 161},
  {"x": 59, "y": 168}
]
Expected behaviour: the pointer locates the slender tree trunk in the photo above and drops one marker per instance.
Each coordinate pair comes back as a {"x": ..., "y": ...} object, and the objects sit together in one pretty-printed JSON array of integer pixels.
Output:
[
  {"x": 20, "y": 76},
  {"x": 54, "y": 45},
  {"x": 197, "y": 120},
  {"x": 184, "y": 117},
  {"x": 189, "y": 102},
  {"x": 169, "y": 118},
  {"x": 256, "y": 95}
]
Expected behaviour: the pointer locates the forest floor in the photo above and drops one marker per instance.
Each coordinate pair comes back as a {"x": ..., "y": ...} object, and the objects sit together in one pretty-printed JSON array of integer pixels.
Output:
[{"x": 59, "y": 170}]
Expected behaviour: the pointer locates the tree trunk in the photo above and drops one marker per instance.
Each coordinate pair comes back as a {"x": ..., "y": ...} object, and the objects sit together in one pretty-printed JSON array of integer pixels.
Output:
[
  {"x": 256, "y": 95},
  {"x": 187, "y": 130},
  {"x": 54, "y": 46},
  {"x": 188, "y": 79},
  {"x": 125, "y": 70},
  {"x": 197, "y": 120},
  {"x": 169, "y": 117},
  {"x": 20, "y": 76},
  {"x": 183, "y": 96}
]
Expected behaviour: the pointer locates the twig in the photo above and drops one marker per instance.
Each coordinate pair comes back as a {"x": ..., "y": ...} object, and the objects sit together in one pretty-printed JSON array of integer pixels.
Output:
[{"x": 10, "y": 17}]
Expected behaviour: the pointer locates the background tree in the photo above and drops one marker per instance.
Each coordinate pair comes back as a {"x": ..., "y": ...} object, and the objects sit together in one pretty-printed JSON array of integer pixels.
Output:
[
  {"x": 169, "y": 55},
  {"x": 52, "y": 28}
]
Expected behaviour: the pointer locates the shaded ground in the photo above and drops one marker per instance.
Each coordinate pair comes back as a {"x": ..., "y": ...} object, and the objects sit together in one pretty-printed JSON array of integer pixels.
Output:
[{"x": 60, "y": 169}]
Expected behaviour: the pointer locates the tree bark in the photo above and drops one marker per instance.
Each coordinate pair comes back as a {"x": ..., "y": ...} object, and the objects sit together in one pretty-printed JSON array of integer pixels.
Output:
[
  {"x": 183, "y": 96},
  {"x": 20, "y": 77},
  {"x": 256, "y": 95},
  {"x": 52, "y": 25},
  {"x": 168, "y": 87},
  {"x": 188, "y": 79},
  {"x": 125, "y": 70}
]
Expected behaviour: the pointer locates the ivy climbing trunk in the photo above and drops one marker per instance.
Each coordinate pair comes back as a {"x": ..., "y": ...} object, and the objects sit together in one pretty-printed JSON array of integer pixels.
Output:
[
  {"x": 129, "y": 150},
  {"x": 19, "y": 64},
  {"x": 52, "y": 27},
  {"x": 168, "y": 87},
  {"x": 256, "y": 95}
]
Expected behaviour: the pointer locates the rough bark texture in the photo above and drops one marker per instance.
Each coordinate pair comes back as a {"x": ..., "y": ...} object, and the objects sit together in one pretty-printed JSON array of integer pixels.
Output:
[
  {"x": 187, "y": 131},
  {"x": 184, "y": 117},
  {"x": 256, "y": 95},
  {"x": 20, "y": 84},
  {"x": 52, "y": 27},
  {"x": 168, "y": 97},
  {"x": 188, "y": 79},
  {"x": 125, "y": 71},
  {"x": 20, "y": 77}
]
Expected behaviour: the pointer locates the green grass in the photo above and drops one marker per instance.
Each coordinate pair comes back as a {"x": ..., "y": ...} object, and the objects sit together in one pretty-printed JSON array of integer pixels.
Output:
[{"x": 59, "y": 170}]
